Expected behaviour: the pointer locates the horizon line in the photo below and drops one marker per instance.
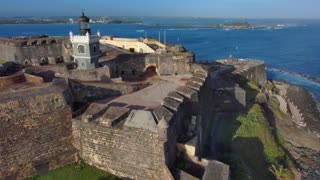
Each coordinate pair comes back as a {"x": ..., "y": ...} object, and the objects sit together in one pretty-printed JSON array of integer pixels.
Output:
[{"x": 193, "y": 17}]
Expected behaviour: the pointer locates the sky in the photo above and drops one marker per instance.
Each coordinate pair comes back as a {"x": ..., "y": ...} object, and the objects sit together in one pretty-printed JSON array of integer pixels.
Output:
[{"x": 168, "y": 8}]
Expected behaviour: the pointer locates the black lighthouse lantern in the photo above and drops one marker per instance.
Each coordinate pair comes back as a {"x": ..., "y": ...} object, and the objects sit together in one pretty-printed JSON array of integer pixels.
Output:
[{"x": 84, "y": 25}]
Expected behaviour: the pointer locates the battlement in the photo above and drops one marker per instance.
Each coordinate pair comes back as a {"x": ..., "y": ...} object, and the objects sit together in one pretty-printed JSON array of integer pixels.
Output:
[
  {"x": 138, "y": 126},
  {"x": 32, "y": 41}
]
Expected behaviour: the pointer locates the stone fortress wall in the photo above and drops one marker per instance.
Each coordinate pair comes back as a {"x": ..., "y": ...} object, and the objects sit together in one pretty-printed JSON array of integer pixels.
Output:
[
  {"x": 164, "y": 64},
  {"x": 137, "y": 144},
  {"x": 35, "y": 130},
  {"x": 35, "y": 50},
  {"x": 131, "y": 143}
]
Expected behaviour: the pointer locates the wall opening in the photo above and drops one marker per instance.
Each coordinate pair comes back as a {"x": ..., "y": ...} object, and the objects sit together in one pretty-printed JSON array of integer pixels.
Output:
[
  {"x": 33, "y": 43},
  {"x": 131, "y": 50},
  {"x": 81, "y": 49},
  {"x": 151, "y": 71},
  {"x": 94, "y": 48}
]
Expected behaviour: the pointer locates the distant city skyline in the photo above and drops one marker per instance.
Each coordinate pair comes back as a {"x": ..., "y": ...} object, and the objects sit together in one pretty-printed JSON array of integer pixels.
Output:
[{"x": 308, "y": 9}]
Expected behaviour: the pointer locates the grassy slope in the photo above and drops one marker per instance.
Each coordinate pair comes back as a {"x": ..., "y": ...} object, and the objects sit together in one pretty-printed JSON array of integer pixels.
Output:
[
  {"x": 246, "y": 142},
  {"x": 76, "y": 172}
]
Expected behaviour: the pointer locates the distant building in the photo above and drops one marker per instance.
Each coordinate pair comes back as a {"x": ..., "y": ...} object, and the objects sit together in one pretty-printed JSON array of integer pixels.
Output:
[{"x": 86, "y": 47}]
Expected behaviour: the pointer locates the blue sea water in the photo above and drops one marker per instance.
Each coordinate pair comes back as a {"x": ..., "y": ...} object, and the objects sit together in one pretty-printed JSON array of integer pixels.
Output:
[{"x": 292, "y": 47}]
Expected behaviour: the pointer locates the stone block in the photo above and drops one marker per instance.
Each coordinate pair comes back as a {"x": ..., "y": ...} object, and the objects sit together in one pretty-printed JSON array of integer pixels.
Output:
[
  {"x": 188, "y": 93},
  {"x": 200, "y": 76},
  {"x": 162, "y": 112},
  {"x": 197, "y": 80},
  {"x": 193, "y": 85},
  {"x": 171, "y": 104},
  {"x": 93, "y": 112},
  {"x": 52, "y": 60},
  {"x": 176, "y": 96},
  {"x": 218, "y": 170},
  {"x": 113, "y": 116},
  {"x": 142, "y": 120}
]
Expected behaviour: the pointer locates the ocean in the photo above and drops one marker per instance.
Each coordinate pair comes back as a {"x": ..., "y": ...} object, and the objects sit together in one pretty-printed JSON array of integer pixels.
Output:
[{"x": 290, "y": 48}]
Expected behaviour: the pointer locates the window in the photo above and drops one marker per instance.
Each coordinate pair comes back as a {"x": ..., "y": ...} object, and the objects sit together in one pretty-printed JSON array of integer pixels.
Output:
[
  {"x": 131, "y": 50},
  {"x": 81, "y": 49},
  {"x": 94, "y": 48}
]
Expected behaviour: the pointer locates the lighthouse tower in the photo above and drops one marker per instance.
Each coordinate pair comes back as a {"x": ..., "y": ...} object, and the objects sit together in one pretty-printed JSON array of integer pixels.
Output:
[{"x": 86, "y": 47}]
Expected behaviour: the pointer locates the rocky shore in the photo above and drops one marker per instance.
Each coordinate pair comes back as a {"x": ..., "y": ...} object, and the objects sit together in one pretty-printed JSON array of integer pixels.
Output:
[{"x": 299, "y": 126}]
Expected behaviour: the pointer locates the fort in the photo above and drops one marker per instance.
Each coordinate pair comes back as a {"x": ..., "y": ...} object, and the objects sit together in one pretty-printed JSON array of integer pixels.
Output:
[{"x": 132, "y": 107}]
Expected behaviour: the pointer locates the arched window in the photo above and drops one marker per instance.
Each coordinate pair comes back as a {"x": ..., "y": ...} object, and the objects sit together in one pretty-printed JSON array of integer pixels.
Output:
[{"x": 81, "y": 49}]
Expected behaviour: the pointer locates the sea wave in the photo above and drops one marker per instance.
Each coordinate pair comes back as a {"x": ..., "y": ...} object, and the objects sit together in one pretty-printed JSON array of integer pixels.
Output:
[
  {"x": 142, "y": 30},
  {"x": 305, "y": 76}
]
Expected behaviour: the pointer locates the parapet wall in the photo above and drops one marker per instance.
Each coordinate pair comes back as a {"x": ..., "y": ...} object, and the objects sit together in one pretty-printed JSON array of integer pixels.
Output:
[
  {"x": 99, "y": 74},
  {"x": 128, "y": 152},
  {"x": 137, "y": 144},
  {"x": 35, "y": 131},
  {"x": 35, "y": 51},
  {"x": 18, "y": 78},
  {"x": 165, "y": 64}
]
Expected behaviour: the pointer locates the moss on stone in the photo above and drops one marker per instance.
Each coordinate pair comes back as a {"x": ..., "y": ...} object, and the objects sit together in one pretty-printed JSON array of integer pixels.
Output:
[{"x": 2, "y": 61}]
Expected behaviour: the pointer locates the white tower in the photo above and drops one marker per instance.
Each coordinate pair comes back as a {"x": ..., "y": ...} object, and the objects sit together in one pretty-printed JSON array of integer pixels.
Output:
[{"x": 86, "y": 47}]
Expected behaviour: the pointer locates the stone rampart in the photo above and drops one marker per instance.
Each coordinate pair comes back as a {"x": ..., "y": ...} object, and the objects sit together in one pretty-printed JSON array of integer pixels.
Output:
[
  {"x": 35, "y": 51},
  {"x": 113, "y": 140},
  {"x": 137, "y": 143},
  {"x": 136, "y": 64},
  {"x": 35, "y": 131}
]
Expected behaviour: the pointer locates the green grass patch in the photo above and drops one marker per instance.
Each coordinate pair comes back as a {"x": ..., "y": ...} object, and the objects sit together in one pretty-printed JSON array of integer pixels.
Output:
[
  {"x": 76, "y": 172},
  {"x": 255, "y": 125},
  {"x": 273, "y": 105},
  {"x": 2, "y": 61},
  {"x": 246, "y": 141}
]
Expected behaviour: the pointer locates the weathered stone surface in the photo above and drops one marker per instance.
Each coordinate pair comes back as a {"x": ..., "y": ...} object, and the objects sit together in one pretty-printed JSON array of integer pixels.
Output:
[
  {"x": 187, "y": 92},
  {"x": 162, "y": 112},
  {"x": 197, "y": 80},
  {"x": 135, "y": 153},
  {"x": 217, "y": 170},
  {"x": 175, "y": 96},
  {"x": 171, "y": 104},
  {"x": 193, "y": 85},
  {"x": 186, "y": 176},
  {"x": 113, "y": 115},
  {"x": 142, "y": 120},
  {"x": 35, "y": 132},
  {"x": 200, "y": 76},
  {"x": 94, "y": 111},
  {"x": 35, "y": 48}
]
